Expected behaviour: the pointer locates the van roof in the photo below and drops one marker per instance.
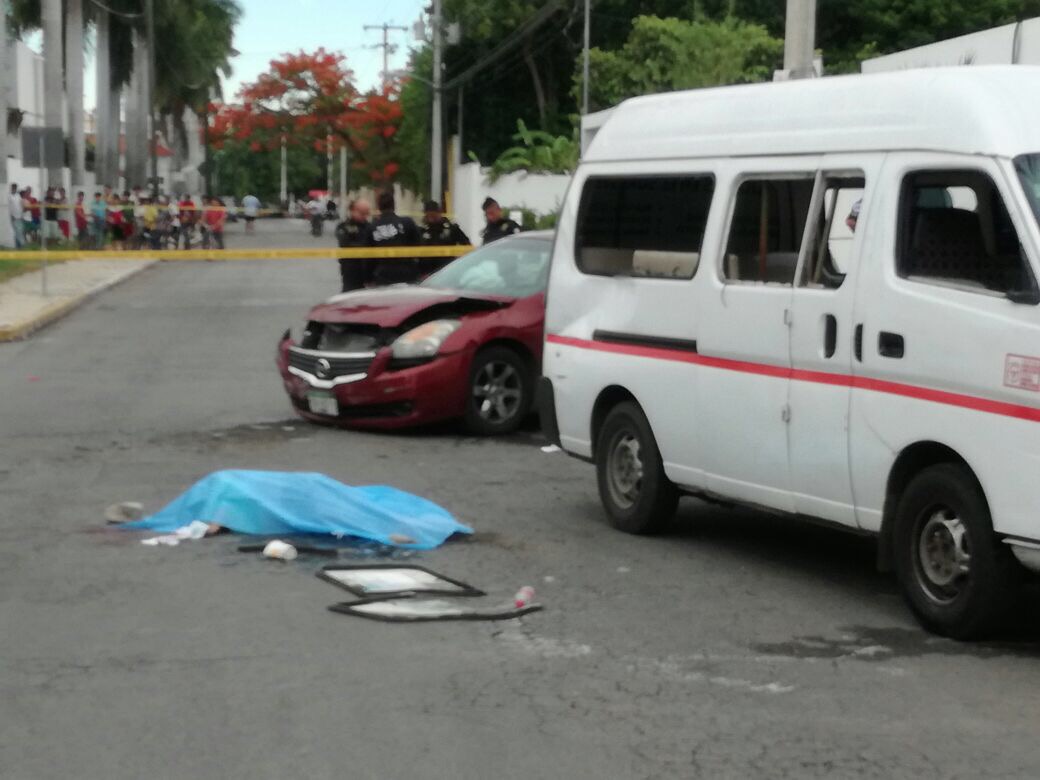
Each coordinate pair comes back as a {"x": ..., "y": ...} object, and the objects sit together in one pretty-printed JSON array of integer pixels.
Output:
[{"x": 987, "y": 109}]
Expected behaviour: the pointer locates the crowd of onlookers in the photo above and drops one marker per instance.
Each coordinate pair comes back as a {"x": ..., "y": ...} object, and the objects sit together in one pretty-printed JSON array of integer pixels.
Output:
[{"x": 131, "y": 220}]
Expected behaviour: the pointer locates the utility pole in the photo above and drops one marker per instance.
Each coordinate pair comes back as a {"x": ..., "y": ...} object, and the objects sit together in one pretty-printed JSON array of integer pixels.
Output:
[
  {"x": 387, "y": 47},
  {"x": 800, "y": 39},
  {"x": 436, "y": 123},
  {"x": 585, "y": 60},
  {"x": 6, "y": 233},
  {"x": 153, "y": 143}
]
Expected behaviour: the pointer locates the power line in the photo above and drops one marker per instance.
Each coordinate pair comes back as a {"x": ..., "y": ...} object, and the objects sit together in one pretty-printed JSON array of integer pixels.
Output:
[{"x": 511, "y": 41}]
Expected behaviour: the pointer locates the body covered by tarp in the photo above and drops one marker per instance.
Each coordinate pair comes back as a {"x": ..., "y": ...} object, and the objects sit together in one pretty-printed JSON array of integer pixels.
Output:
[{"x": 276, "y": 503}]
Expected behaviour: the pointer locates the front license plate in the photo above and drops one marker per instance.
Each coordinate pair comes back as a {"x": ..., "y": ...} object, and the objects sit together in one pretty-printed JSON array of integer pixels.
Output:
[{"x": 323, "y": 403}]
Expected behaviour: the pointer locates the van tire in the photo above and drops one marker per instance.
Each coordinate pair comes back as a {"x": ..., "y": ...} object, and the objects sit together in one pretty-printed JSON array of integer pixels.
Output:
[
  {"x": 504, "y": 376},
  {"x": 637, "y": 495},
  {"x": 955, "y": 574}
]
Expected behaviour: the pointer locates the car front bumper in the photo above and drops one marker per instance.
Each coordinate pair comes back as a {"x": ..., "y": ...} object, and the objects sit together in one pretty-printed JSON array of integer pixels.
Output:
[{"x": 382, "y": 397}]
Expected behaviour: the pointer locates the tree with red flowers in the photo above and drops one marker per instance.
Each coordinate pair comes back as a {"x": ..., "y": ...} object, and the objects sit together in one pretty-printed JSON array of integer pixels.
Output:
[{"x": 311, "y": 99}]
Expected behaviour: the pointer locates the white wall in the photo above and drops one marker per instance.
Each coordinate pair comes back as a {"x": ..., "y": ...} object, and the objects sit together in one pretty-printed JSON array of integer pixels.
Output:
[{"x": 542, "y": 193}]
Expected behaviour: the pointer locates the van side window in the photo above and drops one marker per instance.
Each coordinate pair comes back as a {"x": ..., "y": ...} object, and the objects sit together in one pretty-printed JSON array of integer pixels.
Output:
[
  {"x": 955, "y": 229},
  {"x": 649, "y": 226},
  {"x": 765, "y": 235},
  {"x": 834, "y": 224}
]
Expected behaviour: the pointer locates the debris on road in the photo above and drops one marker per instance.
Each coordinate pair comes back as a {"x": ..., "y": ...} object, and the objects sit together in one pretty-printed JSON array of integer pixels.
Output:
[
  {"x": 302, "y": 549},
  {"x": 393, "y": 580},
  {"x": 196, "y": 529},
  {"x": 280, "y": 550},
  {"x": 276, "y": 503},
  {"x": 124, "y": 512},
  {"x": 523, "y": 597},
  {"x": 413, "y": 610},
  {"x": 550, "y": 448}
]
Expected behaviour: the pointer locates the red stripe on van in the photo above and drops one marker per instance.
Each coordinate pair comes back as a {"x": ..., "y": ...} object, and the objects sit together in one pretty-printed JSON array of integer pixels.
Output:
[{"x": 975, "y": 403}]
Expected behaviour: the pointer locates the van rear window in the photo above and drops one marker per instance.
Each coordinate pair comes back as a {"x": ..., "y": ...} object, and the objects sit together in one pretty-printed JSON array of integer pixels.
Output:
[{"x": 648, "y": 226}]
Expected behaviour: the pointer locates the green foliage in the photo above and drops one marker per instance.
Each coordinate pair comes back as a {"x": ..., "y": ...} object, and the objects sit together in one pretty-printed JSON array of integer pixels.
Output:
[
  {"x": 413, "y": 137},
  {"x": 662, "y": 55},
  {"x": 536, "y": 152},
  {"x": 240, "y": 171}
]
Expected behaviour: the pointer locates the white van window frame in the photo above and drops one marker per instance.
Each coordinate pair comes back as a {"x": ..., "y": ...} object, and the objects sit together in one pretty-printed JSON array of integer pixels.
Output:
[
  {"x": 902, "y": 216},
  {"x": 808, "y": 175},
  {"x": 707, "y": 176},
  {"x": 818, "y": 205}
]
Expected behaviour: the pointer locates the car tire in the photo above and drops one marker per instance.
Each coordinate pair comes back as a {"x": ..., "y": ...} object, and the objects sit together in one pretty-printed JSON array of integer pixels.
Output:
[
  {"x": 955, "y": 574},
  {"x": 636, "y": 493},
  {"x": 499, "y": 392}
]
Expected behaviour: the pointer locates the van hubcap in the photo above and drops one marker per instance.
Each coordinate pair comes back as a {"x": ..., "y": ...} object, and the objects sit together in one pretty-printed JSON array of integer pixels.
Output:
[
  {"x": 497, "y": 392},
  {"x": 625, "y": 470},
  {"x": 943, "y": 555}
]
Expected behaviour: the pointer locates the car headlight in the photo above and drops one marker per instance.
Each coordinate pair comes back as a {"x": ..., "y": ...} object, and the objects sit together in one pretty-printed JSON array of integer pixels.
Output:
[{"x": 425, "y": 340}]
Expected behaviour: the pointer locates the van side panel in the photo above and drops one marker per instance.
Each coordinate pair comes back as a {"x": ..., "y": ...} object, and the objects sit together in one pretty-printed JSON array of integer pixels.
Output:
[{"x": 622, "y": 331}]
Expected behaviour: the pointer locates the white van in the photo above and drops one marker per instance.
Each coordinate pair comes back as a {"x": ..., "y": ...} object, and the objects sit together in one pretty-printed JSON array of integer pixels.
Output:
[{"x": 818, "y": 297}]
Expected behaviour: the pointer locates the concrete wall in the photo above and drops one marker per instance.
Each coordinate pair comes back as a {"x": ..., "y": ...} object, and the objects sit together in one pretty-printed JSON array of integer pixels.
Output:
[{"x": 541, "y": 193}]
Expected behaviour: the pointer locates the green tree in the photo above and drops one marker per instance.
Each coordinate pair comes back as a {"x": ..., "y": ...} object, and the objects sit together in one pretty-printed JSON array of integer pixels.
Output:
[
  {"x": 662, "y": 55},
  {"x": 413, "y": 138},
  {"x": 240, "y": 170}
]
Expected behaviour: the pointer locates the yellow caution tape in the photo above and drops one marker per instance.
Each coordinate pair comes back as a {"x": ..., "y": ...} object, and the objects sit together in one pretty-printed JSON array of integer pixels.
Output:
[{"x": 331, "y": 253}]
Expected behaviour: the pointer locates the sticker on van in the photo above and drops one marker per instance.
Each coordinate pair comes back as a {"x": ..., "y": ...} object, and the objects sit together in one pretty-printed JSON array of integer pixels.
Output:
[{"x": 1022, "y": 372}]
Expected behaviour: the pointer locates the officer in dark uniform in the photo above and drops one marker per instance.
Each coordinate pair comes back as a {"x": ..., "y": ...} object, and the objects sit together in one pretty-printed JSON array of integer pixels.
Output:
[
  {"x": 438, "y": 230},
  {"x": 498, "y": 225},
  {"x": 355, "y": 231},
  {"x": 388, "y": 229}
]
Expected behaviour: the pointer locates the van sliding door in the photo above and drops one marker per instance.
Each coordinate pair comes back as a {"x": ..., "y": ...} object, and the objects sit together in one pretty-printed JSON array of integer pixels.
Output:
[{"x": 822, "y": 343}]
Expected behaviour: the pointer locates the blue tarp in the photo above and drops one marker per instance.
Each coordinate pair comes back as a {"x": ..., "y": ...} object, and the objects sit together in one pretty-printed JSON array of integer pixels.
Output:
[{"x": 277, "y": 503}]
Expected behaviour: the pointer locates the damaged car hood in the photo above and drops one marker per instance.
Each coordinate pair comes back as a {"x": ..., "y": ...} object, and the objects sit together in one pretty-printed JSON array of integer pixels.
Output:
[{"x": 389, "y": 307}]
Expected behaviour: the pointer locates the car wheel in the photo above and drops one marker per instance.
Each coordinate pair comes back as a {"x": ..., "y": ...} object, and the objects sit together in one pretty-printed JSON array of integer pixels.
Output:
[
  {"x": 500, "y": 391},
  {"x": 955, "y": 574},
  {"x": 637, "y": 495}
]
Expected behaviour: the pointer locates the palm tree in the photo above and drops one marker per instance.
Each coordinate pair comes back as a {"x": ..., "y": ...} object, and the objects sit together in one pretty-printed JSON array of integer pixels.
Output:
[
  {"x": 196, "y": 49},
  {"x": 74, "y": 90},
  {"x": 52, "y": 76}
]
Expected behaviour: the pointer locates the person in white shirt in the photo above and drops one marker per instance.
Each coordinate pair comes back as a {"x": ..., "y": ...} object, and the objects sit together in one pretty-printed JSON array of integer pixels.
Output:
[
  {"x": 17, "y": 214},
  {"x": 250, "y": 210}
]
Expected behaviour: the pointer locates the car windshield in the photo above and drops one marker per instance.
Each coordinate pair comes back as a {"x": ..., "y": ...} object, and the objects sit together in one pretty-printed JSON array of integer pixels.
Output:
[{"x": 515, "y": 267}]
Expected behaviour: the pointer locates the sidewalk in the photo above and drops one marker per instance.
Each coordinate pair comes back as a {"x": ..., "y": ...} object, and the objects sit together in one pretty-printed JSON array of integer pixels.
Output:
[{"x": 24, "y": 308}]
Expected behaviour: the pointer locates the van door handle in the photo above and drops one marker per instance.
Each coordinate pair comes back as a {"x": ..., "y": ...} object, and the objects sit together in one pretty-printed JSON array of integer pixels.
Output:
[
  {"x": 857, "y": 343},
  {"x": 890, "y": 345},
  {"x": 830, "y": 335}
]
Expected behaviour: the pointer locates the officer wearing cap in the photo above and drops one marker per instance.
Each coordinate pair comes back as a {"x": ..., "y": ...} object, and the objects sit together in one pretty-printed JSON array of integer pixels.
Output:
[
  {"x": 355, "y": 231},
  {"x": 438, "y": 230},
  {"x": 498, "y": 225}
]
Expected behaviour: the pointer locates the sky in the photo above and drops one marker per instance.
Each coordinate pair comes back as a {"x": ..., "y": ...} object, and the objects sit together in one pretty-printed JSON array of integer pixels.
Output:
[
  {"x": 269, "y": 28},
  {"x": 272, "y": 27}
]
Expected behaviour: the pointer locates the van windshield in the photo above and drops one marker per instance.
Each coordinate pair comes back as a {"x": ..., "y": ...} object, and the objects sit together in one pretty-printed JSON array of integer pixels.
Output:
[{"x": 1028, "y": 168}]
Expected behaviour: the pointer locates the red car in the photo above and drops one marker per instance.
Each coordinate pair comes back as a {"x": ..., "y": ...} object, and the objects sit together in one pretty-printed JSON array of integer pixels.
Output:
[{"x": 466, "y": 342}]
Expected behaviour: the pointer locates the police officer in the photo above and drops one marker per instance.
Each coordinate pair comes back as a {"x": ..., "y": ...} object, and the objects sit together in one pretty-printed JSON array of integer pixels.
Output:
[
  {"x": 388, "y": 229},
  {"x": 498, "y": 225},
  {"x": 438, "y": 230},
  {"x": 355, "y": 231}
]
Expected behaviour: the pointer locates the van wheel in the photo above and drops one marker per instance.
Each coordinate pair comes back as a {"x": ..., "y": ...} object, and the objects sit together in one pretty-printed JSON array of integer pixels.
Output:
[
  {"x": 638, "y": 497},
  {"x": 955, "y": 574},
  {"x": 501, "y": 389}
]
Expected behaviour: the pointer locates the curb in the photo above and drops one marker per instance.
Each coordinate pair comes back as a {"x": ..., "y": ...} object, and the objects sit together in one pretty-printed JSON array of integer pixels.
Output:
[{"x": 58, "y": 309}]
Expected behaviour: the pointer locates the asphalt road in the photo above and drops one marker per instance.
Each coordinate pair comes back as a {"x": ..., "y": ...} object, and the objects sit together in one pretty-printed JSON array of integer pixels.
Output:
[{"x": 735, "y": 646}]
